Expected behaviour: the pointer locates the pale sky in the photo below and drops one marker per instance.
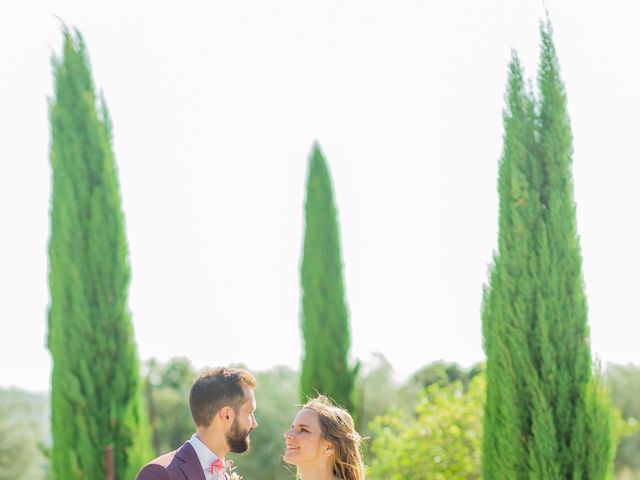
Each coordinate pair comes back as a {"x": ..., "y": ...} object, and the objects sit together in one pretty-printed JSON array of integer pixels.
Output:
[{"x": 215, "y": 106}]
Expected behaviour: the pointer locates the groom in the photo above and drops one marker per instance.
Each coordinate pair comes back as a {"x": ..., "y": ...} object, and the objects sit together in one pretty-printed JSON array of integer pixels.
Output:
[{"x": 222, "y": 404}]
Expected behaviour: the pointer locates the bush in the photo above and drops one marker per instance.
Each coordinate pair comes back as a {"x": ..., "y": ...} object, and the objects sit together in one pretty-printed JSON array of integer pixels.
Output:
[{"x": 440, "y": 441}]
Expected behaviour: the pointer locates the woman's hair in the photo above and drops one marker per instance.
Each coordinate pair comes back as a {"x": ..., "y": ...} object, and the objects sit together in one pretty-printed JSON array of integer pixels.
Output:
[{"x": 337, "y": 427}]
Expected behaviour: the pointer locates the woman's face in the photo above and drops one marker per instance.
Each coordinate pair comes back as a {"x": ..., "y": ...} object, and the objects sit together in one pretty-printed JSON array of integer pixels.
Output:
[{"x": 304, "y": 442}]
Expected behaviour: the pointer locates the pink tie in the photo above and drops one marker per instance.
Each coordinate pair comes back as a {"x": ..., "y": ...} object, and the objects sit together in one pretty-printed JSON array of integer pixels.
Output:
[{"x": 217, "y": 465}]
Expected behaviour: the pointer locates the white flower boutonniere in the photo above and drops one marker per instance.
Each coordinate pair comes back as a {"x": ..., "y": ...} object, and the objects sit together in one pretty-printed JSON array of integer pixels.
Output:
[{"x": 230, "y": 466}]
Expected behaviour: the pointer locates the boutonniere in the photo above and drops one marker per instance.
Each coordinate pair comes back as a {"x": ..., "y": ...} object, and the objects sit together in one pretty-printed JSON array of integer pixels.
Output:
[{"x": 230, "y": 466}]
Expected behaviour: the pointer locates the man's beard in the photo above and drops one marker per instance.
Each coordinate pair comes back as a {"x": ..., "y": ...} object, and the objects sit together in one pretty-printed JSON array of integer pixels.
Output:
[{"x": 237, "y": 439}]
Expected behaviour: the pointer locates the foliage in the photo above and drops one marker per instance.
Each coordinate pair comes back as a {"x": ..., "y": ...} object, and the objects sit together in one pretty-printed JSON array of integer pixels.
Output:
[
  {"x": 95, "y": 387},
  {"x": 623, "y": 382},
  {"x": 443, "y": 373},
  {"x": 20, "y": 435},
  {"x": 324, "y": 318},
  {"x": 378, "y": 392},
  {"x": 546, "y": 416},
  {"x": 442, "y": 441},
  {"x": 167, "y": 396}
]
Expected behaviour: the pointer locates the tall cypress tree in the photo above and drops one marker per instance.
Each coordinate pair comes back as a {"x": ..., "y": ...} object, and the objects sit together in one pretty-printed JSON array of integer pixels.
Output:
[
  {"x": 95, "y": 385},
  {"x": 508, "y": 305},
  {"x": 324, "y": 318},
  {"x": 546, "y": 416}
]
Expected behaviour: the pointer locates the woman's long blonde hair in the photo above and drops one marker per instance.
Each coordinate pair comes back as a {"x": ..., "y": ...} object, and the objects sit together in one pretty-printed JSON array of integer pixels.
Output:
[{"x": 338, "y": 428}]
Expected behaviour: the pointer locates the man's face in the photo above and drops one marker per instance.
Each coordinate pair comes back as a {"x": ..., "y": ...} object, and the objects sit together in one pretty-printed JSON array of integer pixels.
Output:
[{"x": 238, "y": 437}]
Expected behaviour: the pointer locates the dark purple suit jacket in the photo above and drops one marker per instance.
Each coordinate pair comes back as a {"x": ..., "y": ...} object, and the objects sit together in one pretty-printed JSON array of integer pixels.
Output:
[{"x": 181, "y": 464}]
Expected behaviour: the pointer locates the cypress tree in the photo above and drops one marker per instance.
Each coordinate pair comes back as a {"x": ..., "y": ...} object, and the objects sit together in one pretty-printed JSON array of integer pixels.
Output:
[
  {"x": 508, "y": 305},
  {"x": 95, "y": 385},
  {"x": 324, "y": 318},
  {"x": 546, "y": 416}
]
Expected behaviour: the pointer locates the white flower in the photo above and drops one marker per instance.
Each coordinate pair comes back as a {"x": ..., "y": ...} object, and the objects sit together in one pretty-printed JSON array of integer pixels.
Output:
[{"x": 235, "y": 476}]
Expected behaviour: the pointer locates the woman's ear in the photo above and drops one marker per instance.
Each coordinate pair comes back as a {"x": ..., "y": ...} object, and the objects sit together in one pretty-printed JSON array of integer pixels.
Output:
[{"x": 328, "y": 450}]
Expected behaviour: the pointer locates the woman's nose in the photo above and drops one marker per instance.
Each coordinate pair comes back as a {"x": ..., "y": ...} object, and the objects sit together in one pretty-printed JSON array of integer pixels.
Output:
[{"x": 287, "y": 434}]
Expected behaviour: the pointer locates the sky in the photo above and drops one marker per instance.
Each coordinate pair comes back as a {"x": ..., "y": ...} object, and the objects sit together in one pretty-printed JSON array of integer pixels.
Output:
[{"x": 215, "y": 107}]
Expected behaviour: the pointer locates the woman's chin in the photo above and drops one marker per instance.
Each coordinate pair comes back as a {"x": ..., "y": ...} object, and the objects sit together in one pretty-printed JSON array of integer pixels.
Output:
[{"x": 289, "y": 458}]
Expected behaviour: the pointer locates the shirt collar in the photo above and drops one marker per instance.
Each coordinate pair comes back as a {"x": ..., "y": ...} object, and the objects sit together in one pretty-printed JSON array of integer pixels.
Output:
[{"x": 206, "y": 456}]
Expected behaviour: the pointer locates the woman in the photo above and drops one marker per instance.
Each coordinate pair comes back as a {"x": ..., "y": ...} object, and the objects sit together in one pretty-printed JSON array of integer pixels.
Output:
[{"x": 323, "y": 443}]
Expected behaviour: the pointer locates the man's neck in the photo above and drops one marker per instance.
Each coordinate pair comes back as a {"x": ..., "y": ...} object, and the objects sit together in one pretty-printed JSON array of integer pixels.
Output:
[{"x": 214, "y": 441}]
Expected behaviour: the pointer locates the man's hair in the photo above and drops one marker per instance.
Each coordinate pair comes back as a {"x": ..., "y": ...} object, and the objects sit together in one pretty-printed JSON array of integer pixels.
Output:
[{"x": 216, "y": 388}]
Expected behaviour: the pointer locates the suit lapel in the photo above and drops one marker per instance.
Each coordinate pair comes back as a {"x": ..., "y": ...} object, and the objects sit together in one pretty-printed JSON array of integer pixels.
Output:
[{"x": 191, "y": 466}]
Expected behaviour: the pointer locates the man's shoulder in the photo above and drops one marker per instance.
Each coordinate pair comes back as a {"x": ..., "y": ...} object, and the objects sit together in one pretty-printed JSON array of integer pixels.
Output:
[
  {"x": 164, "y": 460},
  {"x": 157, "y": 468}
]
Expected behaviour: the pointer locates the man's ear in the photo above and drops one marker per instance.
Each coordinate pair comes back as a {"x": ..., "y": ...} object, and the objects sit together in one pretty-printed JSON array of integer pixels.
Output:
[{"x": 226, "y": 414}]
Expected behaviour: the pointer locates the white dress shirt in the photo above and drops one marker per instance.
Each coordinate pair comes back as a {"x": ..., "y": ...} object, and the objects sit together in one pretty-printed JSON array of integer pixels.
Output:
[{"x": 206, "y": 457}]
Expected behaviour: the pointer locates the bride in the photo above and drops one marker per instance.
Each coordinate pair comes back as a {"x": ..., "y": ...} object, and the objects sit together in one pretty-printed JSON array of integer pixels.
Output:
[{"x": 323, "y": 443}]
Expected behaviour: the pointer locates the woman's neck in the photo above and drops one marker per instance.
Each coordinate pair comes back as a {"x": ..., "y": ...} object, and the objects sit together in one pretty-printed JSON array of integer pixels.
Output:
[{"x": 316, "y": 472}]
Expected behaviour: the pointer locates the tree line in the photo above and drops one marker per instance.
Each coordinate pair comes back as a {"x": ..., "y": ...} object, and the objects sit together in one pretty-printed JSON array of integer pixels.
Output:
[
  {"x": 429, "y": 424},
  {"x": 546, "y": 413}
]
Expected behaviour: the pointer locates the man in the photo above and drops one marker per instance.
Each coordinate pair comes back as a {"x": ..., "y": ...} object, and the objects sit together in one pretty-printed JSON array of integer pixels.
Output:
[{"x": 222, "y": 403}]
